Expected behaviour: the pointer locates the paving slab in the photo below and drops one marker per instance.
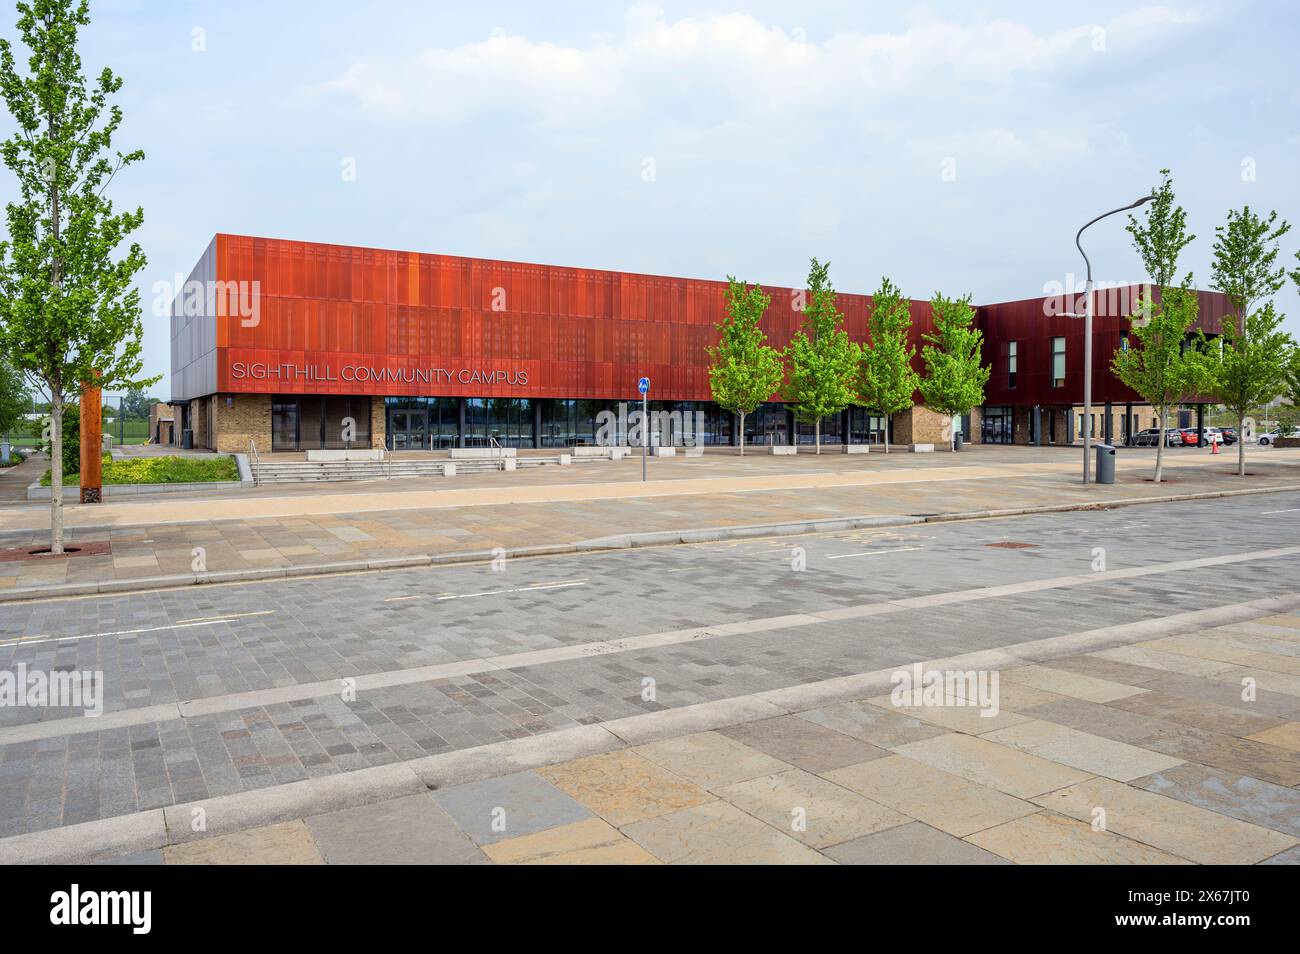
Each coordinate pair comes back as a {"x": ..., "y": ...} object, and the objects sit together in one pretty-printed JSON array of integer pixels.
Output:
[
  {"x": 1067, "y": 683},
  {"x": 804, "y": 744},
  {"x": 1188, "y": 831},
  {"x": 881, "y": 728},
  {"x": 623, "y": 787},
  {"x": 912, "y": 844},
  {"x": 1240, "y": 796},
  {"x": 710, "y": 759},
  {"x": 410, "y": 830},
  {"x": 1046, "y": 838},
  {"x": 1213, "y": 716},
  {"x": 508, "y": 806},
  {"x": 810, "y": 809},
  {"x": 289, "y": 843},
  {"x": 590, "y": 842},
  {"x": 944, "y": 801},
  {"x": 1286, "y": 736},
  {"x": 719, "y": 833},
  {"x": 996, "y": 766},
  {"x": 1091, "y": 753}
]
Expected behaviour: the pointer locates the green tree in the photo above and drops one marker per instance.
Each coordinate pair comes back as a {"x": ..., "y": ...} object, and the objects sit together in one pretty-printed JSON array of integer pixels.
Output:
[
  {"x": 68, "y": 310},
  {"x": 1161, "y": 364},
  {"x": 746, "y": 370},
  {"x": 953, "y": 356},
  {"x": 15, "y": 401},
  {"x": 136, "y": 405},
  {"x": 823, "y": 361},
  {"x": 1162, "y": 234},
  {"x": 886, "y": 378},
  {"x": 1253, "y": 348},
  {"x": 1291, "y": 376}
]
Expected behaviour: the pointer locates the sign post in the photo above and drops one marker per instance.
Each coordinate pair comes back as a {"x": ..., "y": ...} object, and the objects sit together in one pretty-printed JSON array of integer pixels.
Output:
[{"x": 643, "y": 385}]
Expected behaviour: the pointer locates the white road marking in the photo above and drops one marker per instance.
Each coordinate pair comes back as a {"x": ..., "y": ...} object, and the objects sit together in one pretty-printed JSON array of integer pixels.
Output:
[
  {"x": 845, "y": 556},
  {"x": 210, "y": 619},
  {"x": 43, "y": 638},
  {"x": 466, "y": 596},
  {"x": 1289, "y": 510}
]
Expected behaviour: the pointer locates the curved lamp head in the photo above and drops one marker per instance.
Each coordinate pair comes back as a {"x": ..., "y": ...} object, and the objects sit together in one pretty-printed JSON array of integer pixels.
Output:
[{"x": 1142, "y": 201}]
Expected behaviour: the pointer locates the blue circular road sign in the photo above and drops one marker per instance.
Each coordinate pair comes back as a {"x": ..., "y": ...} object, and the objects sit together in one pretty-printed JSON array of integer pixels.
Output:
[{"x": 643, "y": 385}]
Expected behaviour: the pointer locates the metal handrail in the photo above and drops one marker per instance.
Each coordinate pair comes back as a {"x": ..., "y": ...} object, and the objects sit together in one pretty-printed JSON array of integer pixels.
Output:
[{"x": 256, "y": 461}]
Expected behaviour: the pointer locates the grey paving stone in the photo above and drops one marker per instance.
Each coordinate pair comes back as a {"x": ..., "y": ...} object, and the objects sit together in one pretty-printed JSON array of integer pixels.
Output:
[
  {"x": 810, "y": 746},
  {"x": 1228, "y": 793},
  {"x": 410, "y": 830},
  {"x": 912, "y": 844},
  {"x": 509, "y": 806},
  {"x": 1289, "y": 857},
  {"x": 154, "y": 857}
]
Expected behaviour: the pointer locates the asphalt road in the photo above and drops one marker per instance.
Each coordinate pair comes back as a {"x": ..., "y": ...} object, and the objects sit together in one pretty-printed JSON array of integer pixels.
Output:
[{"x": 218, "y": 689}]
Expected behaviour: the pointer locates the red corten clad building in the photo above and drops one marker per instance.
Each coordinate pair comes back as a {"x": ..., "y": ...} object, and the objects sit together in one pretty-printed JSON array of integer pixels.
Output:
[{"x": 279, "y": 342}]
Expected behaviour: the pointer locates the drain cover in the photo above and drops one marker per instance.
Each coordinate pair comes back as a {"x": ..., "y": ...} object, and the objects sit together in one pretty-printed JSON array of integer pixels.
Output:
[{"x": 1012, "y": 545}]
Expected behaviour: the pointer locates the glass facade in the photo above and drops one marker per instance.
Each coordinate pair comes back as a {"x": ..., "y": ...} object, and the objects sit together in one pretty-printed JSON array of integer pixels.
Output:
[
  {"x": 313, "y": 421},
  {"x": 998, "y": 424},
  {"x": 418, "y": 423}
]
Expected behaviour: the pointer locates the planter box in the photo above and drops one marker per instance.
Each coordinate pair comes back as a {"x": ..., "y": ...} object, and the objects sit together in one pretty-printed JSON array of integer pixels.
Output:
[
  {"x": 1287, "y": 442},
  {"x": 595, "y": 450},
  {"x": 855, "y": 448},
  {"x": 322, "y": 455},
  {"x": 782, "y": 449},
  {"x": 73, "y": 494},
  {"x": 479, "y": 453},
  {"x": 922, "y": 448},
  {"x": 663, "y": 452}
]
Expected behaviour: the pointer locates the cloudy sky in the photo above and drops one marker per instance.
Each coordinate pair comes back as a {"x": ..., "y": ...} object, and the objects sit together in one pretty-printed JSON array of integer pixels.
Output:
[{"x": 951, "y": 146}]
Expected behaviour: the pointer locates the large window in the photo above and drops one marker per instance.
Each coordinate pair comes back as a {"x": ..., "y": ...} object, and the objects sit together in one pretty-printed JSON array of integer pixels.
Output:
[
  {"x": 1058, "y": 362},
  {"x": 997, "y": 424},
  {"x": 508, "y": 421},
  {"x": 311, "y": 421},
  {"x": 1011, "y": 364},
  {"x": 866, "y": 426}
]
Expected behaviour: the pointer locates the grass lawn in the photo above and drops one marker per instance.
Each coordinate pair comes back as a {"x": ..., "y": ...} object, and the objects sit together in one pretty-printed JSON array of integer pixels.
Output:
[{"x": 160, "y": 470}]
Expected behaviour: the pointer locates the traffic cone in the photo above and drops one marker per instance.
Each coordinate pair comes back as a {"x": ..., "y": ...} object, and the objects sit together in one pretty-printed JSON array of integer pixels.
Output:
[{"x": 1214, "y": 444}]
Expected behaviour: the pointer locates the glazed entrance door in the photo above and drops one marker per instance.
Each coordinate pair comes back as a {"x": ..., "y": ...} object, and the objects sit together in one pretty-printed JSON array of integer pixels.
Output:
[{"x": 408, "y": 430}]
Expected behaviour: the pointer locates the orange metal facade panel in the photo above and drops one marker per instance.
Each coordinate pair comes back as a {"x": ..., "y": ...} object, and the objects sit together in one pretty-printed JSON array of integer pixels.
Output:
[{"x": 574, "y": 333}]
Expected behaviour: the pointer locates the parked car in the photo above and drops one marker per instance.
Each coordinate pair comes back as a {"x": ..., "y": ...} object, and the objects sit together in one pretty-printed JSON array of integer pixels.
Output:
[
  {"x": 1151, "y": 436},
  {"x": 1207, "y": 435},
  {"x": 1269, "y": 437},
  {"x": 1191, "y": 437},
  {"x": 1229, "y": 435}
]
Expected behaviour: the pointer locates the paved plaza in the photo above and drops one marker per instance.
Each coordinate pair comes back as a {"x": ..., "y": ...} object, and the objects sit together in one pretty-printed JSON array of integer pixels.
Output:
[{"x": 724, "y": 701}]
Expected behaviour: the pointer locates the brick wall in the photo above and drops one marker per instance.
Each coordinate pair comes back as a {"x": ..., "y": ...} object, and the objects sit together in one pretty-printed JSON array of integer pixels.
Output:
[
  {"x": 248, "y": 416},
  {"x": 378, "y": 422},
  {"x": 921, "y": 425}
]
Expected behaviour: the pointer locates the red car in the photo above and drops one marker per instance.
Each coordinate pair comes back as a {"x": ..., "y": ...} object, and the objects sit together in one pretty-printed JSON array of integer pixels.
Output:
[{"x": 1190, "y": 437}]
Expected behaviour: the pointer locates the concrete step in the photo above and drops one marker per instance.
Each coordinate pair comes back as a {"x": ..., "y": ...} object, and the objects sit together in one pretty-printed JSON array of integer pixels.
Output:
[{"x": 315, "y": 471}]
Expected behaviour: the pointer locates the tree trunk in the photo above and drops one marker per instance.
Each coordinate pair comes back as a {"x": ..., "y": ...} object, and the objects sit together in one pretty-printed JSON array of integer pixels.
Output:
[
  {"x": 888, "y": 420},
  {"x": 742, "y": 433},
  {"x": 1160, "y": 443},
  {"x": 1241, "y": 446},
  {"x": 817, "y": 435},
  {"x": 56, "y": 474}
]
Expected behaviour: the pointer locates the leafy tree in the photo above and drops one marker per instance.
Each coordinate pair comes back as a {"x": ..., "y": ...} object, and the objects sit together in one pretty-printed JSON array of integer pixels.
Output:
[
  {"x": 1253, "y": 348},
  {"x": 823, "y": 361},
  {"x": 1160, "y": 363},
  {"x": 886, "y": 379},
  {"x": 136, "y": 405},
  {"x": 1162, "y": 236},
  {"x": 1291, "y": 376},
  {"x": 746, "y": 370},
  {"x": 953, "y": 356},
  {"x": 15, "y": 401},
  {"x": 68, "y": 310}
]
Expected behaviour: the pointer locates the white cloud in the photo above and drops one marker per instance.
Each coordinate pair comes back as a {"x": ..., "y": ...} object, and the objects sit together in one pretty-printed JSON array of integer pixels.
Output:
[{"x": 734, "y": 61}]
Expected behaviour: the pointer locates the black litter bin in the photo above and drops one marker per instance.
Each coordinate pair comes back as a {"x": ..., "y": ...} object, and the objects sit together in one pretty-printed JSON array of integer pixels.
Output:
[
  {"x": 957, "y": 441},
  {"x": 1105, "y": 464},
  {"x": 187, "y": 439}
]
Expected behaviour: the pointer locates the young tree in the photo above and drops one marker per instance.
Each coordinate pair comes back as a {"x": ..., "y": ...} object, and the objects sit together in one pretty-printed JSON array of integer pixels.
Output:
[
  {"x": 1291, "y": 376},
  {"x": 886, "y": 379},
  {"x": 15, "y": 401},
  {"x": 1162, "y": 236},
  {"x": 823, "y": 361},
  {"x": 746, "y": 370},
  {"x": 68, "y": 311},
  {"x": 955, "y": 372},
  {"x": 1161, "y": 364},
  {"x": 1253, "y": 347}
]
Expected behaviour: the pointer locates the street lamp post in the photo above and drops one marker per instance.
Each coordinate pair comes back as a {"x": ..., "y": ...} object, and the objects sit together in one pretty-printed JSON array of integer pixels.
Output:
[{"x": 1087, "y": 335}]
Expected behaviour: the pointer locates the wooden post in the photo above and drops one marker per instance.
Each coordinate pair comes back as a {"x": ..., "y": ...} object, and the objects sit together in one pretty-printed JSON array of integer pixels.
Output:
[{"x": 92, "y": 442}]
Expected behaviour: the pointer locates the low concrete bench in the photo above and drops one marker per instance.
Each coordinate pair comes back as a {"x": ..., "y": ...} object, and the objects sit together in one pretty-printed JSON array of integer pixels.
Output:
[
  {"x": 922, "y": 448},
  {"x": 481, "y": 452},
  {"x": 855, "y": 448},
  {"x": 783, "y": 449}
]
